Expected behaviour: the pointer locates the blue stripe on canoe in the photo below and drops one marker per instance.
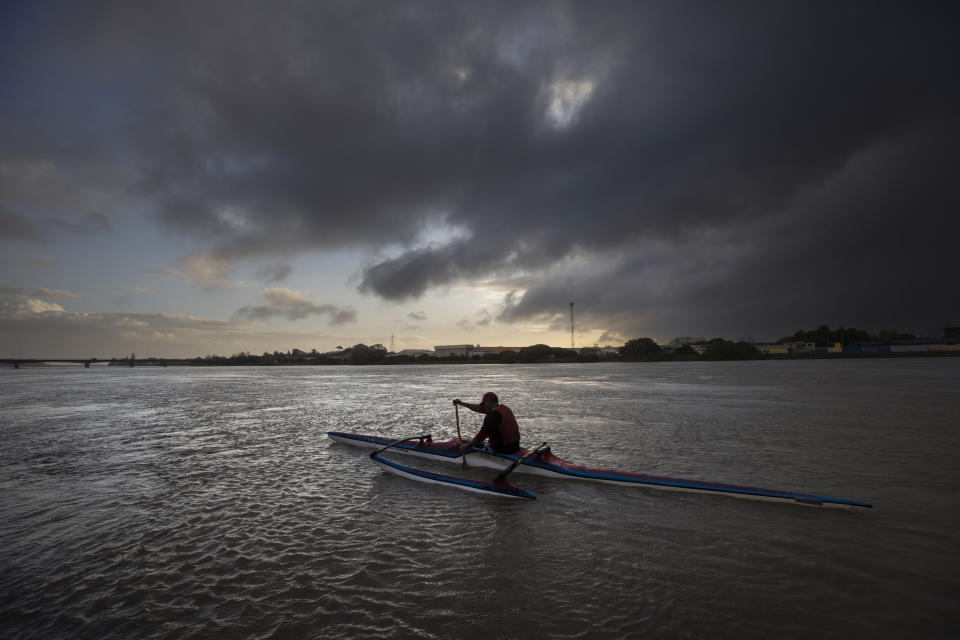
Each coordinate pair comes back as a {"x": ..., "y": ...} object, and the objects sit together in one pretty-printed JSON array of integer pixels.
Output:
[
  {"x": 631, "y": 478},
  {"x": 476, "y": 484},
  {"x": 694, "y": 484}
]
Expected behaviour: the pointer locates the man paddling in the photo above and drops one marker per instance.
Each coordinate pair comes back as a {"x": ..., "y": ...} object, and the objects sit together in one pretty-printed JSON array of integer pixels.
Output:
[{"x": 500, "y": 425}]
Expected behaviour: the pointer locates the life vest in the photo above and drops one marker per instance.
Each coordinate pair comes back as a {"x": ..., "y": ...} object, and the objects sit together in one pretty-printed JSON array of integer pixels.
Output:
[{"x": 509, "y": 429}]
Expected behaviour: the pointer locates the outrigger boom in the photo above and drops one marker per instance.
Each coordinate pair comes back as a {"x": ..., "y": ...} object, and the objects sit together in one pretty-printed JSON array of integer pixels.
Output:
[{"x": 546, "y": 464}]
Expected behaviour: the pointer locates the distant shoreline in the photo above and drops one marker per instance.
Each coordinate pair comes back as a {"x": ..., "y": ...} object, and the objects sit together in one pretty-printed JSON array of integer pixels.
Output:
[{"x": 14, "y": 363}]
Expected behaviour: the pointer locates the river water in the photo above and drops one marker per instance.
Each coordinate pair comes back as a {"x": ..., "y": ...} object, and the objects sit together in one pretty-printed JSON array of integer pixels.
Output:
[{"x": 209, "y": 503}]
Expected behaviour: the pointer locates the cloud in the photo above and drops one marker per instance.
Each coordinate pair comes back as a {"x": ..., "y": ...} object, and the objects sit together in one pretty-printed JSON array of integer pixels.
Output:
[
  {"x": 37, "y": 331},
  {"x": 293, "y": 306},
  {"x": 42, "y": 262},
  {"x": 86, "y": 224},
  {"x": 14, "y": 226},
  {"x": 416, "y": 317},
  {"x": 612, "y": 338},
  {"x": 710, "y": 166},
  {"x": 274, "y": 272},
  {"x": 566, "y": 98},
  {"x": 482, "y": 319},
  {"x": 124, "y": 295},
  {"x": 21, "y": 305},
  {"x": 409, "y": 275},
  {"x": 55, "y": 294},
  {"x": 206, "y": 269},
  {"x": 60, "y": 189},
  {"x": 835, "y": 255},
  {"x": 41, "y": 333}
]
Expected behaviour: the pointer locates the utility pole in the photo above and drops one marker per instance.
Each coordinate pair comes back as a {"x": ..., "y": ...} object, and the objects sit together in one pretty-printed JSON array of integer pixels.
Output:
[{"x": 571, "y": 327}]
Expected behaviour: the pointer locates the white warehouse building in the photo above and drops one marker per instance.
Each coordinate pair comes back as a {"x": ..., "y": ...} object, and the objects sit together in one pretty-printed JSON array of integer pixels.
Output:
[{"x": 454, "y": 350}]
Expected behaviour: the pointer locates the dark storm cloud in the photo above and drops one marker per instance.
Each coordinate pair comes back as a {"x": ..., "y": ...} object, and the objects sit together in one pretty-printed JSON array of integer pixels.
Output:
[
  {"x": 730, "y": 164},
  {"x": 293, "y": 305},
  {"x": 411, "y": 274},
  {"x": 14, "y": 226},
  {"x": 85, "y": 224},
  {"x": 274, "y": 272},
  {"x": 863, "y": 249},
  {"x": 11, "y": 290}
]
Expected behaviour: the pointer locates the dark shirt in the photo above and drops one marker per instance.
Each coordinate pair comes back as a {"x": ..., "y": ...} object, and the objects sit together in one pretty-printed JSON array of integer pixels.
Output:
[{"x": 491, "y": 429}]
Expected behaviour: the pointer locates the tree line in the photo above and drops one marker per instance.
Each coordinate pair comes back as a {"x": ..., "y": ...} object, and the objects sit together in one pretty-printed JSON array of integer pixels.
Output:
[
  {"x": 824, "y": 336},
  {"x": 647, "y": 350},
  {"x": 635, "y": 350}
]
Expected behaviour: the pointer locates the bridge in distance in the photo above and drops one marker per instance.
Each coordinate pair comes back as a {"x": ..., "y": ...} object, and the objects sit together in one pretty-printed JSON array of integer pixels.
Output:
[{"x": 16, "y": 363}]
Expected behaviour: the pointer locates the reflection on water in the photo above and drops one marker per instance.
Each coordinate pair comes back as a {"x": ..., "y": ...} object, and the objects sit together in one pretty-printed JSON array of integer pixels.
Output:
[{"x": 206, "y": 503}]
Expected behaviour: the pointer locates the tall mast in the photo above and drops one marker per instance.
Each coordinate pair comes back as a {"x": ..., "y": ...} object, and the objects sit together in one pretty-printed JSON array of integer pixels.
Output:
[{"x": 571, "y": 326}]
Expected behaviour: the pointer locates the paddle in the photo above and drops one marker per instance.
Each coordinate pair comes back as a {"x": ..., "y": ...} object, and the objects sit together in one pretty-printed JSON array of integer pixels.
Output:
[
  {"x": 505, "y": 472},
  {"x": 396, "y": 442},
  {"x": 456, "y": 410}
]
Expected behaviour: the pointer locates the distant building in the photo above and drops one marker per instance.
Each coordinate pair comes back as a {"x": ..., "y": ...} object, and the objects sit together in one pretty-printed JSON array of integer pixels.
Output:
[
  {"x": 940, "y": 348},
  {"x": 909, "y": 348},
  {"x": 417, "y": 352},
  {"x": 494, "y": 351},
  {"x": 454, "y": 350},
  {"x": 774, "y": 349},
  {"x": 787, "y": 348},
  {"x": 470, "y": 350}
]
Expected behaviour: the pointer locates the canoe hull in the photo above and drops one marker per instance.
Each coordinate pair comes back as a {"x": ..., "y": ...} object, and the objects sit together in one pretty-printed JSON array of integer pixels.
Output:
[{"x": 549, "y": 465}]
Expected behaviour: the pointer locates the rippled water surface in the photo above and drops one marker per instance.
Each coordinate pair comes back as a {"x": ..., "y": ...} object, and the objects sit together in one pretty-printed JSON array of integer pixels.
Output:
[{"x": 209, "y": 503}]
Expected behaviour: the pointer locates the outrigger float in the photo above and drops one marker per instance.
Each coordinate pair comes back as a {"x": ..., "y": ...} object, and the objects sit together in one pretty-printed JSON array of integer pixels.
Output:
[
  {"x": 498, "y": 487},
  {"x": 543, "y": 462}
]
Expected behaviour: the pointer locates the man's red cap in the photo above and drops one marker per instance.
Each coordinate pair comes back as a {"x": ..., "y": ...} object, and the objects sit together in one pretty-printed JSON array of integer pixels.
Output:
[{"x": 490, "y": 395}]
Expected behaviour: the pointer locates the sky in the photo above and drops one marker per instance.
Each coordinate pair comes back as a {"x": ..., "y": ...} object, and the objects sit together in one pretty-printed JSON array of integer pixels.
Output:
[{"x": 181, "y": 178}]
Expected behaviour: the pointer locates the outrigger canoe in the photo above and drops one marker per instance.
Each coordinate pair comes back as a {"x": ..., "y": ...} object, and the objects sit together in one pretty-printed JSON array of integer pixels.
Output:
[{"x": 545, "y": 463}]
